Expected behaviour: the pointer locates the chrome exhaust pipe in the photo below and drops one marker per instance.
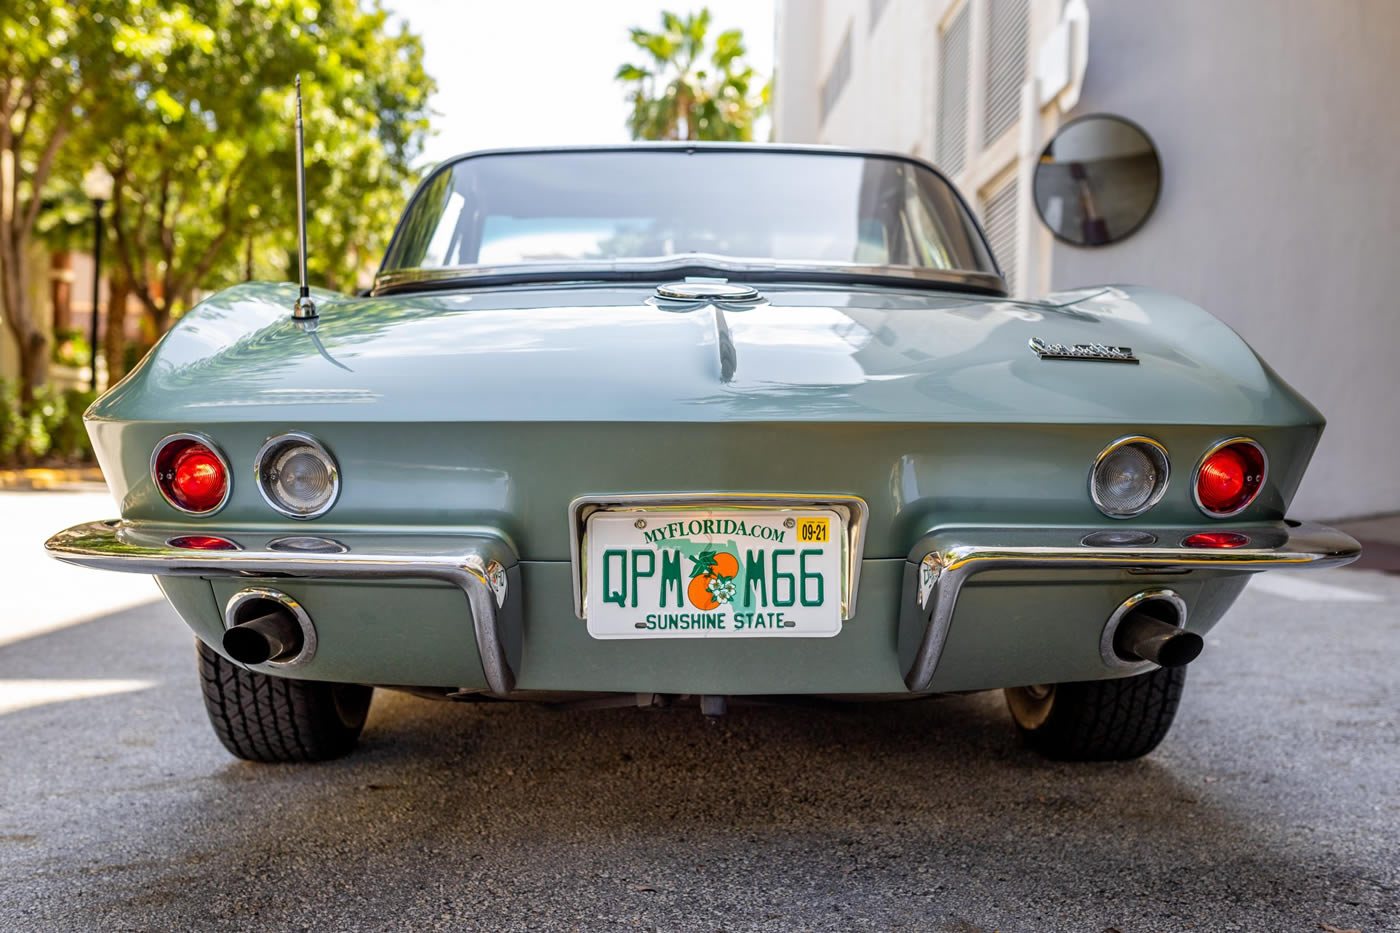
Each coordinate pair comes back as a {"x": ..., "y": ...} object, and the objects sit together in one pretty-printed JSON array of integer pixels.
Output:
[
  {"x": 1149, "y": 627},
  {"x": 266, "y": 626},
  {"x": 1144, "y": 637},
  {"x": 274, "y": 636}
]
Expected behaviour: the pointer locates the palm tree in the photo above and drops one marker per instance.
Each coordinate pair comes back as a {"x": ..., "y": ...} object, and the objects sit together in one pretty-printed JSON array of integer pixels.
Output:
[{"x": 677, "y": 96}]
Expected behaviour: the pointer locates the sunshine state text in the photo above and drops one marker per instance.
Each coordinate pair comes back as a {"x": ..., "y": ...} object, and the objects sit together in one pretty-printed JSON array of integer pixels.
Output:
[{"x": 691, "y": 621}]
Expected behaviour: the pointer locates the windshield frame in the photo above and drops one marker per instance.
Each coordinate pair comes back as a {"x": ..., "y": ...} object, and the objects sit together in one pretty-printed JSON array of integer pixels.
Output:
[{"x": 641, "y": 270}]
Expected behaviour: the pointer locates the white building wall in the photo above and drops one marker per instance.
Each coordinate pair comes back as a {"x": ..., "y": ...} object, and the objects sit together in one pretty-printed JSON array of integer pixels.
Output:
[
  {"x": 1280, "y": 205},
  {"x": 889, "y": 65},
  {"x": 1278, "y": 129}
]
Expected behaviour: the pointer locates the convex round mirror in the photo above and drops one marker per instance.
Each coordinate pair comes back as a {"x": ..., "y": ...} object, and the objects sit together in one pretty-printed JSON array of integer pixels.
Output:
[{"x": 1097, "y": 180}]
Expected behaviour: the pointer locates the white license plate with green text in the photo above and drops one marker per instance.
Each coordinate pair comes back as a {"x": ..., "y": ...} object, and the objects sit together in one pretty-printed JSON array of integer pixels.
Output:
[{"x": 714, "y": 574}]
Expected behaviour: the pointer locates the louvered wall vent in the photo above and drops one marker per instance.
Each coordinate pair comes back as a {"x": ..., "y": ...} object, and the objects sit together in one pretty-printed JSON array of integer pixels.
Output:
[
  {"x": 951, "y": 144},
  {"x": 1008, "y": 29},
  {"x": 999, "y": 219}
]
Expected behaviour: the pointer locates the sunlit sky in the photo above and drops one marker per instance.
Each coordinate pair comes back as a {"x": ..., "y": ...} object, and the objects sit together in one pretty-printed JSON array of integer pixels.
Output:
[{"x": 540, "y": 72}]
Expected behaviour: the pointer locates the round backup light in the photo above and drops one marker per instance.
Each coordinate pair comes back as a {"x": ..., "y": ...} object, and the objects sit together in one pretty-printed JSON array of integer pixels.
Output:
[
  {"x": 191, "y": 474},
  {"x": 1229, "y": 477},
  {"x": 1129, "y": 477},
  {"x": 297, "y": 476}
]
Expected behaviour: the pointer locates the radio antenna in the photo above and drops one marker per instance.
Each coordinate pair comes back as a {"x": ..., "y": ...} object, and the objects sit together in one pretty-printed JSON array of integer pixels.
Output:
[{"x": 304, "y": 308}]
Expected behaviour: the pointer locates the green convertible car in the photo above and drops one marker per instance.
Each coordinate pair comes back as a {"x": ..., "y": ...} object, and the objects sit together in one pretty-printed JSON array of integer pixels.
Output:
[{"x": 665, "y": 423}]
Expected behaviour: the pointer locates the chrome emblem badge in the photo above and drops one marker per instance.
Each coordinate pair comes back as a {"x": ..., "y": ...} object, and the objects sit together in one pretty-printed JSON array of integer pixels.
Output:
[{"x": 1082, "y": 351}]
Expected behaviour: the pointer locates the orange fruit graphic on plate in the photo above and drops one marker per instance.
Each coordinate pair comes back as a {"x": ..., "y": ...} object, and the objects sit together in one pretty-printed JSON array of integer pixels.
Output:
[
  {"x": 699, "y": 592},
  {"x": 724, "y": 564},
  {"x": 712, "y": 579}
]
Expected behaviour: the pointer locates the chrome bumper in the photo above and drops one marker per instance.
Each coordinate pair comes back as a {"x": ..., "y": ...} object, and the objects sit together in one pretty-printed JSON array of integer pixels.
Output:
[
  {"x": 481, "y": 563},
  {"x": 476, "y": 562},
  {"x": 948, "y": 558}
]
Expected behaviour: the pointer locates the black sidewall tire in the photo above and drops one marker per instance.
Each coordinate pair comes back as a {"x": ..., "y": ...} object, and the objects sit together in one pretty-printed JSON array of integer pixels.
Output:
[
  {"x": 1100, "y": 720},
  {"x": 259, "y": 717}
]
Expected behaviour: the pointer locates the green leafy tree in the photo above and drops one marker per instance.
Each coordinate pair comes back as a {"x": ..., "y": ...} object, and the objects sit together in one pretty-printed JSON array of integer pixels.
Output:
[
  {"x": 681, "y": 93},
  {"x": 188, "y": 104},
  {"x": 54, "y": 59},
  {"x": 202, "y": 147}
]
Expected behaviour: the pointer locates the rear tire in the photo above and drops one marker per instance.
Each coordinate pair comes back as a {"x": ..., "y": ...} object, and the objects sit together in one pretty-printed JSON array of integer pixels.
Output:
[
  {"x": 275, "y": 719},
  {"x": 1098, "y": 720}
]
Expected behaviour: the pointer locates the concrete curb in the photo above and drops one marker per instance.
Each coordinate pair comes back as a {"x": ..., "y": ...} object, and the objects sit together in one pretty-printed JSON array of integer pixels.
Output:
[{"x": 43, "y": 478}]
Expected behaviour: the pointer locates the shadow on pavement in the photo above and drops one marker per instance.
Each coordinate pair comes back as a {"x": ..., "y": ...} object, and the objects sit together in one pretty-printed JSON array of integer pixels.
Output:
[{"x": 124, "y": 813}]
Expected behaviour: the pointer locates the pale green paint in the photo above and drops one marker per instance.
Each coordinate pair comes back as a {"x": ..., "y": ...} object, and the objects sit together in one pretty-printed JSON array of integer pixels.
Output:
[
  {"x": 520, "y": 478},
  {"x": 1011, "y": 629},
  {"x": 497, "y": 408},
  {"x": 588, "y": 353}
]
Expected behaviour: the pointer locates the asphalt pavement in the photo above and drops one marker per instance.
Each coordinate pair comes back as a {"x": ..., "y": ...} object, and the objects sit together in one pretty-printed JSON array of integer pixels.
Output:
[{"x": 1273, "y": 806}]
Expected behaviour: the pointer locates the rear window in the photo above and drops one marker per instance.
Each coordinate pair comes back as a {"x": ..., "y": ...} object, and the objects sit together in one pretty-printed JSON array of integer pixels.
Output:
[{"x": 582, "y": 206}]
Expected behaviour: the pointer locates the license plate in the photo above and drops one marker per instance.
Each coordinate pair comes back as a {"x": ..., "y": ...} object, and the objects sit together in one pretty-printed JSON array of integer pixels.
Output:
[{"x": 714, "y": 574}]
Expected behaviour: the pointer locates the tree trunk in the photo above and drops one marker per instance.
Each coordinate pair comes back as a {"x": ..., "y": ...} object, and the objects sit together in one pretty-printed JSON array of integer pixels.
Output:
[
  {"x": 61, "y": 286},
  {"x": 160, "y": 316},
  {"x": 114, "y": 347},
  {"x": 33, "y": 366},
  {"x": 30, "y": 342}
]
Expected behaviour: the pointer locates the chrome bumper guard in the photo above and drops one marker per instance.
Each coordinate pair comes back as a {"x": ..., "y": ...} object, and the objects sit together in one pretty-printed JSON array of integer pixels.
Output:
[
  {"x": 477, "y": 561},
  {"x": 944, "y": 560}
]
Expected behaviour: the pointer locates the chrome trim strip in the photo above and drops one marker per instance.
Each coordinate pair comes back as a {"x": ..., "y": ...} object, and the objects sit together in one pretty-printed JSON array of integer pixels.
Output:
[
  {"x": 301, "y": 437},
  {"x": 1106, "y": 651},
  {"x": 308, "y": 629},
  {"x": 853, "y": 508},
  {"x": 646, "y": 268},
  {"x": 1165, "y": 466},
  {"x": 214, "y": 449},
  {"x": 1196, "y": 474},
  {"x": 949, "y": 558},
  {"x": 473, "y": 563}
]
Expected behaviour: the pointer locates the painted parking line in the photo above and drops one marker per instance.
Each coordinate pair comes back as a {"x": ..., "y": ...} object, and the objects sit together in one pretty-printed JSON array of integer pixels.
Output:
[{"x": 1308, "y": 591}]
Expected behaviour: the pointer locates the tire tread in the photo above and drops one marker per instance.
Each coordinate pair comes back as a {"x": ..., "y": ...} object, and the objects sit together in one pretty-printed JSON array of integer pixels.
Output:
[
  {"x": 1109, "y": 720},
  {"x": 259, "y": 717}
]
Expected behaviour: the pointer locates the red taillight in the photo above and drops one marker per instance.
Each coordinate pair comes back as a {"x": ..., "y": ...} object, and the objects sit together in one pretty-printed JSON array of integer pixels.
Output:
[
  {"x": 1221, "y": 480},
  {"x": 191, "y": 475},
  {"x": 202, "y": 543},
  {"x": 1215, "y": 539},
  {"x": 1230, "y": 477},
  {"x": 199, "y": 479}
]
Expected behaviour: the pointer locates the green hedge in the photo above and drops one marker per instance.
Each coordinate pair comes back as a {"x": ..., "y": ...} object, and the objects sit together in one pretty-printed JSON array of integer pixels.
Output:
[{"x": 49, "y": 429}]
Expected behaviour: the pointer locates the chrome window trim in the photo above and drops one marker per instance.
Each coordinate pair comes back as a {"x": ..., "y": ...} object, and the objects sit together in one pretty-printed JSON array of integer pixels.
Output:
[
  {"x": 852, "y": 508},
  {"x": 650, "y": 269},
  {"x": 1196, "y": 475},
  {"x": 1108, "y": 655},
  {"x": 300, "y": 437},
  {"x": 308, "y": 629},
  {"x": 472, "y": 562},
  {"x": 1166, "y": 470},
  {"x": 208, "y": 442}
]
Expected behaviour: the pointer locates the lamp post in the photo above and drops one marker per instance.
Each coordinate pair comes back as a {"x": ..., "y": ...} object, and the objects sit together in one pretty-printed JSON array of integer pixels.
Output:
[{"x": 97, "y": 185}]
